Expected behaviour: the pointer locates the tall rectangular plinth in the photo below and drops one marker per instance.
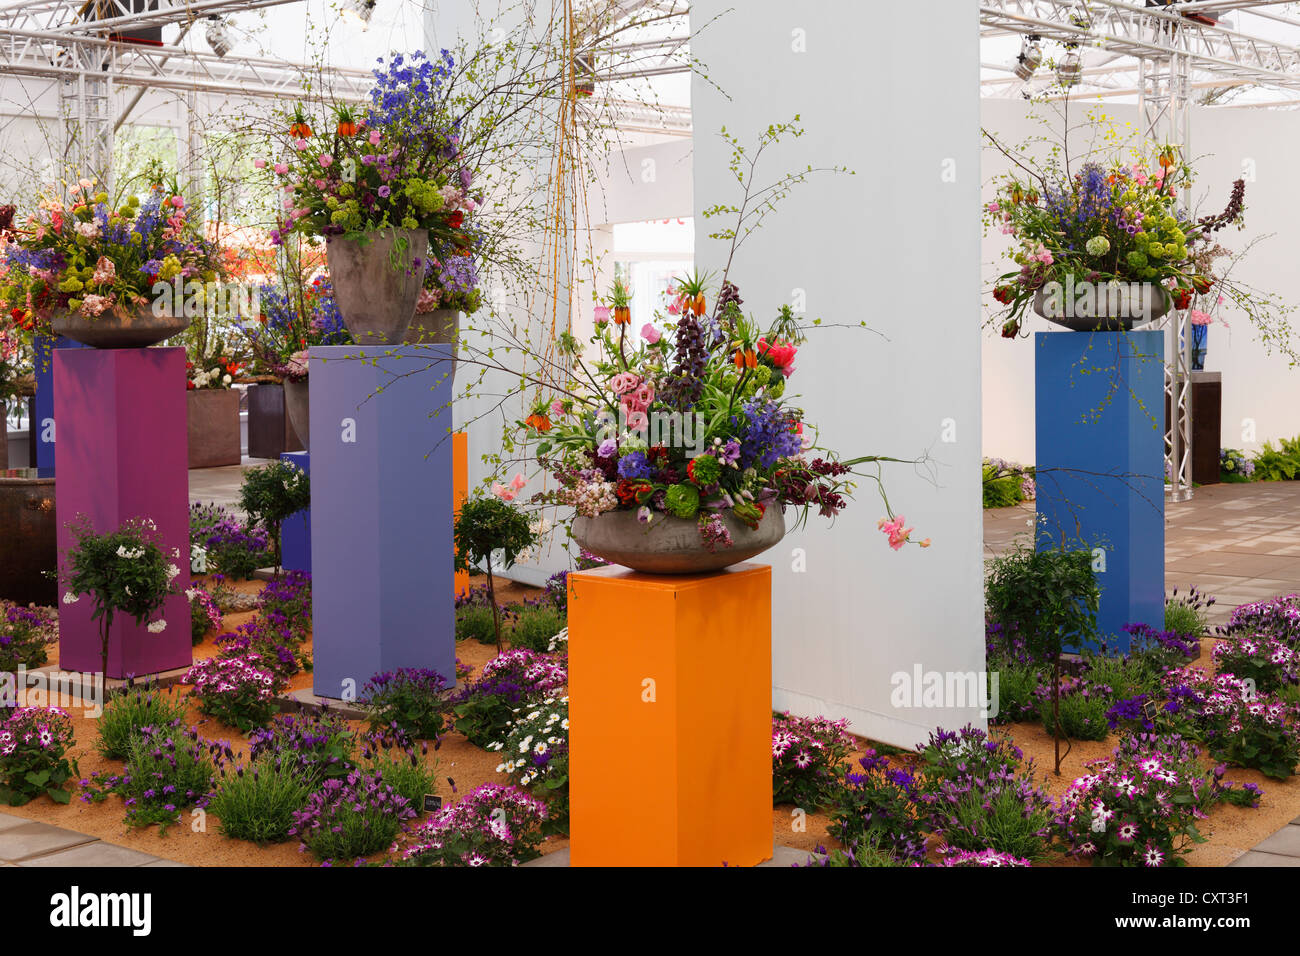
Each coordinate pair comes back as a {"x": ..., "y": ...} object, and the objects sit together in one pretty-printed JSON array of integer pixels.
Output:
[
  {"x": 1100, "y": 466},
  {"x": 42, "y": 423},
  {"x": 122, "y": 455},
  {"x": 459, "y": 492},
  {"x": 381, "y": 521},
  {"x": 670, "y": 704},
  {"x": 295, "y": 533}
]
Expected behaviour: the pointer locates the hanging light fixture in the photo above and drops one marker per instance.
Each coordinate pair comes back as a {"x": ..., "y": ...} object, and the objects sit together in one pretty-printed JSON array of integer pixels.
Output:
[
  {"x": 217, "y": 34},
  {"x": 1030, "y": 58},
  {"x": 1069, "y": 67},
  {"x": 358, "y": 11}
]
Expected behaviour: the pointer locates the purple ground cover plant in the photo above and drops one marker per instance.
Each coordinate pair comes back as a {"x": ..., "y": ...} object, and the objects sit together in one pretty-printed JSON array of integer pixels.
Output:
[
  {"x": 981, "y": 858},
  {"x": 1238, "y": 724},
  {"x": 875, "y": 808},
  {"x": 24, "y": 638},
  {"x": 1268, "y": 661},
  {"x": 485, "y": 708},
  {"x": 318, "y": 746},
  {"x": 351, "y": 817},
  {"x": 238, "y": 691},
  {"x": 411, "y": 701},
  {"x": 1277, "y": 617},
  {"x": 286, "y": 604}
]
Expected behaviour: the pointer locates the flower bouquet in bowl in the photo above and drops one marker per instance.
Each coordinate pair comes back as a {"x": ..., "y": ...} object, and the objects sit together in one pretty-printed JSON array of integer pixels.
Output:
[
  {"x": 1106, "y": 247},
  {"x": 381, "y": 187},
  {"x": 111, "y": 275},
  {"x": 679, "y": 451}
]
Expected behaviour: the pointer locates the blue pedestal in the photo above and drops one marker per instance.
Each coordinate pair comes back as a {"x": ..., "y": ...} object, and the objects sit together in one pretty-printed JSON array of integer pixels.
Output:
[
  {"x": 46, "y": 433},
  {"x": 1100, "y": 465},
  {"x": 381, "y": 521},
  {"x": 295, "y": 533}
]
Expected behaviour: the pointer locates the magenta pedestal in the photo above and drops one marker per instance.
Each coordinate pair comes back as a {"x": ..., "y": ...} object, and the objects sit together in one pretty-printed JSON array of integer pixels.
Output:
[{"x": 122, "y": 454}]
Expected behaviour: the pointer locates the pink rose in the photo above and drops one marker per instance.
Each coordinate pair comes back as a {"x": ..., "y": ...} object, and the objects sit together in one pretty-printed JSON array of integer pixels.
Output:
[
  {"x": 326, "y": 160},
  {"x": 650, "y": 334},
  {"x": 602, "y": 314},
  {"x": 624, "y": 382},
  {"x": 782, "y": 356},
  {"x": 280, "y": 169},
  {"x": 502, "y": 492},
  {"x": 637, "y": 421},
  {"x": 374, "y": 137},
  {"x": 259, "y": 164},
  {"x": 557, "y": 408}
]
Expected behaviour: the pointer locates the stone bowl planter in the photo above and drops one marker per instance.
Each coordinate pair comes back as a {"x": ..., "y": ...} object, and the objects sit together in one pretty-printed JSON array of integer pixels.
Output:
[
  {"x": 297, "y": 405},
  {"x": 29, "y": 530},
  {"x": 439, "y": 327},
  {"x": 212, "y": 425},
  {"x": 119, "y": 328},
  {"x": 669, "y": 545},
  {"x": 1117, "y": 309},
  {"x": 377, "y": 283}
]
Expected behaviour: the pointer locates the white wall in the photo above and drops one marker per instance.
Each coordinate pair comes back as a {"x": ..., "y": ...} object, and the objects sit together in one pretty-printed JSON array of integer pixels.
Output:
[
  {"x": 896, "y": 245},
  {"x": 1256, "y": 386}
]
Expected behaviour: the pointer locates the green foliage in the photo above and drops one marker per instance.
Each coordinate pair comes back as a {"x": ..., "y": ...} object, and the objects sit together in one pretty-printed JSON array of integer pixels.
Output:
[
  {"x": 1045, "y": 598},
  {"x": 475, "y": 621},
  {"x": 35, "y": 760},
  {"x": 257, "y": 802},
  {"x": 535, "y": 626},
  {"x": 404, "y": 770},
  {"x": 409, "y": 701},
  {"x": 272, "y": 493},
  {"x": 487, "y": 526},
  {"x": 1001, "y": 490},
  {"x": 1082, "y": 715},
  {"x": 1184, "y": 619},
  {"x": 1278, "y": 464},
  {"x": 1016, "y": 685},
  {"x": 128, "y": 710}
]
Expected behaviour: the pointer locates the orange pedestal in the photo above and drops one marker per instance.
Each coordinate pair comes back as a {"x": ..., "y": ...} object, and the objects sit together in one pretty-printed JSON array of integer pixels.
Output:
[
  {"x": 459, "y": 492},
  {"x": 670, "y": 703}
]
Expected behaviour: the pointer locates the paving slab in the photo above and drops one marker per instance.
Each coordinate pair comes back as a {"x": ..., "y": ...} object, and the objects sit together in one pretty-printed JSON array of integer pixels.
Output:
[
  {"x": 161, "y": 862},
  {"x": 1254, "y": 858},
  {"x": 97, "y": 853},
  {"x": 8, "y": 821},
  {"x": 36, "y": 839},
  {"x": 1285, "y": 842}
]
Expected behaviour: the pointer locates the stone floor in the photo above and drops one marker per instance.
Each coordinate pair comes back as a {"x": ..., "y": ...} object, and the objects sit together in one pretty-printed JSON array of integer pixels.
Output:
[
  {"x": 1237, "y": 543},
  {"x": 220, "y": 485},
  {"x": 26, "y": 842}
]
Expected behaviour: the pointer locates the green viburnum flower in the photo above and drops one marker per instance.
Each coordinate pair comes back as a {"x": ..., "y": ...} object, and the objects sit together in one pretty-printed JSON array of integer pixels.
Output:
[
  {"x": 71, "y": 284},
  {"x": 683, "y": 500},
  {"x": 1097, "y": 246},
  {"x": 1136, "y": 260},
  {"x": 706, "y": 470}
]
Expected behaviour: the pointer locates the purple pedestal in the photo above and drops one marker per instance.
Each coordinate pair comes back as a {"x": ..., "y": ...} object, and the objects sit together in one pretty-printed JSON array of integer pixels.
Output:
[
  {"x": 122, "y": 454},
  {"x": 381, "y": 544},
  {"x": 295, "y": 533}
]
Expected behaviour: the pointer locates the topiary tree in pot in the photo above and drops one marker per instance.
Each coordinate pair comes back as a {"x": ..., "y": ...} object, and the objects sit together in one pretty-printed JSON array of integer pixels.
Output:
[{"x": 488, "y": 526}]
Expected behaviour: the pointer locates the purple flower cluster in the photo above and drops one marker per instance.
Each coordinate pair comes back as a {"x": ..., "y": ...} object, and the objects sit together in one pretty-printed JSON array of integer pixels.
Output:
[
  {"x": 492, "y": 825},
  {"x": 351, "y": 817},
  {"x": 806, "y": 757},
  {"x": 1277, "y": 617},
  {"x": 766, "y": 434},
  {"x": 316, "y": 746}
]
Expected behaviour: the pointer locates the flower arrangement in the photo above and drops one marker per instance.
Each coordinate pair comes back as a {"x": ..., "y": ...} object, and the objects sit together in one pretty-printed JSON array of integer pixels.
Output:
[
  {"x": 1138, "y": 808},
  {"x": 297, "y": 315},
  {"x": 491, "y": 825},
  {"x": 807, "y": 753},
  {"x": 486, "y": 707},
  {"x": 734, "y": 443},
  {"x": 398, "y": 166},
  {"x": 221, "y": 375},
  {"x": 451, "y": 283},
  {"x": 123, "y": 572},
  {"x": 94, "y": 256},
  {"x": 34, "y": 746},
  {"x": 411, "y": 701},
  {"x": 535, "y": 755},
  {"x": 1110, "y": 221},
  {"x": 168, "y": 769},
  {"x": 24, "y": 639},
  {"x": 238, "y": 691},
  {"x": 351, "y": 817},
  {"x": 205, "y": 616}
]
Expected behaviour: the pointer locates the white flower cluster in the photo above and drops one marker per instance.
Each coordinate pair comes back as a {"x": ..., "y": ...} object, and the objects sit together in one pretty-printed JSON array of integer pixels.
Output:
[
  {"x": 129, "y": 553},
  {"x": 535, "y": 741},
  {"x": 211, "y": 378}
]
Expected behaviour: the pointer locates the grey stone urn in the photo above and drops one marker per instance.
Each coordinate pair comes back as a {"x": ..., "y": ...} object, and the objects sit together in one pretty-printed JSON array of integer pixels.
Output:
[
  {"x": 439, "y": 327},
  {"x": 297, "y": 406},
  {"x": 670, "y": 545},
  {"x": 119, "y": 328},
  {"x": 1106, "y": 307},
  {"x": 377, "y": 283}
]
